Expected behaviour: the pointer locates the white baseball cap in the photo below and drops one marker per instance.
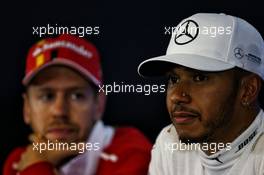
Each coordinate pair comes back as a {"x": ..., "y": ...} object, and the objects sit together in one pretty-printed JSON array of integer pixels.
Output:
[{"x": 211, "y": 42}]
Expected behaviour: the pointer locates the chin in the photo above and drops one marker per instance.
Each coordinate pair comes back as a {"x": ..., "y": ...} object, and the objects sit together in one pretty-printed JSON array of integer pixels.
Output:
[
  {"x": 61, "y": 139},
  {"x": 189, "y": 138}
]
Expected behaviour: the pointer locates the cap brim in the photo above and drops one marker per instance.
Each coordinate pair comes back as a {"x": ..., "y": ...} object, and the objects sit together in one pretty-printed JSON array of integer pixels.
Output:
[
  {"x": 158, "y": 66},
  {"x": 62, "y": 62}
]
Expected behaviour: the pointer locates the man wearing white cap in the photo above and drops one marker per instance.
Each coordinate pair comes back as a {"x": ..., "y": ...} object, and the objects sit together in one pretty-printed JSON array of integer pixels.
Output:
[{"x": 215, "y": 65}]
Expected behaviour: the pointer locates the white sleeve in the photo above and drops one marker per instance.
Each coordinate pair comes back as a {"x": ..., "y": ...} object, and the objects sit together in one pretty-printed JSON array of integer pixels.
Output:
[
  {"x": 260, "y": 167},
  {"x": 158, "y": 159},
  {"x": 155, "y": 166},
  {"x": 259, "y": 152}
]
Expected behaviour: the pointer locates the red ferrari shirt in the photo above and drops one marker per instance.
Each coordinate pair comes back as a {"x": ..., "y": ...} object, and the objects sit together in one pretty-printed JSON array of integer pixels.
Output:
[{"x": 129, "y": 146}]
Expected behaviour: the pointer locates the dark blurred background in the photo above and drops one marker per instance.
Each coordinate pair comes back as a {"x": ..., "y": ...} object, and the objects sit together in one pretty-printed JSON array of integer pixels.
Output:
[{"x": 130, "y": 31}]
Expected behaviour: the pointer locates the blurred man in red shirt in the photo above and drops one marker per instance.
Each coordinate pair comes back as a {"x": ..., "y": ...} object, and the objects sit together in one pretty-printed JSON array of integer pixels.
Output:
[{"x": 63, "y": 106}]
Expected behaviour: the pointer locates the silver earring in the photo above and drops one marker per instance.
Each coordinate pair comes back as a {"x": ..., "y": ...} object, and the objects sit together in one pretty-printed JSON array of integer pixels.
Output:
[
  {"x": 245, "y": 103},
  {"x": 184, "y": 94}
]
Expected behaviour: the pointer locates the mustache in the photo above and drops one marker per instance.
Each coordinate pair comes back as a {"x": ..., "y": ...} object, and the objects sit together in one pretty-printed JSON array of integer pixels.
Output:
[
  {"x": 180, "y": 107},
  {"x": 61, "y": 124}
]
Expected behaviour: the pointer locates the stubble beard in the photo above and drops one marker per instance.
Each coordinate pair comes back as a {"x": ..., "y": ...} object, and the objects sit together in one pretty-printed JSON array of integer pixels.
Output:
[{"x": 221, "y": 122}]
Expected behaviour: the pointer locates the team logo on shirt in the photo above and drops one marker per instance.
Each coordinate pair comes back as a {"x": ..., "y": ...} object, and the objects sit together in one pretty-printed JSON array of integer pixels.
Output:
[{"x": 217, "y": 159}]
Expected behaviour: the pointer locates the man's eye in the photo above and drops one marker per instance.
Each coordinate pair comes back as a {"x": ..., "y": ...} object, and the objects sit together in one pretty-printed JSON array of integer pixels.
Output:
[
  {"x": 173, "y": 79},
  {"x": 77, "y": 96},
  {"x": 47, "y": 97},
  {"x": 200, "y": 77}
]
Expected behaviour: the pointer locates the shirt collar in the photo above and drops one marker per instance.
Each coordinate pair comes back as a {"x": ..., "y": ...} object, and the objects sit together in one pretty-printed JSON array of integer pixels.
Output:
[
  {"x": 87, "y": 162},
  {"x": 226, "y": 158}
]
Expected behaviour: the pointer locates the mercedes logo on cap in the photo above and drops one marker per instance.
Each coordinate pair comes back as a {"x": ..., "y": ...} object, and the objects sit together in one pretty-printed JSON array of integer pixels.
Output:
[
  {"x": 186, "y": 32},
  {"x": 238, "y": 52}
]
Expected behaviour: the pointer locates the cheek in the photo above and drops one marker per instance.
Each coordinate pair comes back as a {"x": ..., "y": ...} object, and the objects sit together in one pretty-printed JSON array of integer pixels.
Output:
[
  {"x": 38, "y": 121},
  {"x": 209, "y": 101},
  {"x": 83, "y": 116},
  {"x": 168, "y": 105},
  {"x": 168, "y": 99},
  {"x": 167, "y": 102}
]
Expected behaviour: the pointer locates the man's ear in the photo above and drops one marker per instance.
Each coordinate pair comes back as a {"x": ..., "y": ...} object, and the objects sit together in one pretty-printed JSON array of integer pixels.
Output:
[
  {"x": 250, "y": 88},
  {"x": 26, "y": 109},
  {"x": 100, "y": 107}
]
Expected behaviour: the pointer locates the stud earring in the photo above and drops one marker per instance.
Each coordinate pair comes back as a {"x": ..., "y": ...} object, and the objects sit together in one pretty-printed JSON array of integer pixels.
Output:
[
  {"x": 245, "y": 103},
  {"x": 184, "y": 94}
]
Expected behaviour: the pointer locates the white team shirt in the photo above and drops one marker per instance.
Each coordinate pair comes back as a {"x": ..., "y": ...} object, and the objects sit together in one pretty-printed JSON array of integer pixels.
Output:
[{"x": 246, "y": 156}]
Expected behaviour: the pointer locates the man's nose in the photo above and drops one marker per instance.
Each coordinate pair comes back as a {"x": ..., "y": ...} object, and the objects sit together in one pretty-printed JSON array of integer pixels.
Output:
[
  {"x": 180, "y": 94},
  {"x": 59, "y": 107}
]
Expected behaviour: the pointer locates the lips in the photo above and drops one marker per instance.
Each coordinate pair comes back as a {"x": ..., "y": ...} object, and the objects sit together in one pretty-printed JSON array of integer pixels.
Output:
[
  {"x": 60, "y": 132},
  {"x": 184, "y": 117}
]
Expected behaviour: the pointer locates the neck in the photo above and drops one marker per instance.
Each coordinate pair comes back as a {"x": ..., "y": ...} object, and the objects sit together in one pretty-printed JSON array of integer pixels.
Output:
[{"x": 238, "y": 123}]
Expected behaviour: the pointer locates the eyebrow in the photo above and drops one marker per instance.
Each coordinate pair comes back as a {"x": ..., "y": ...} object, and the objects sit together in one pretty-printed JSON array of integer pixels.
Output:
[{"x": 74, "y": 88}]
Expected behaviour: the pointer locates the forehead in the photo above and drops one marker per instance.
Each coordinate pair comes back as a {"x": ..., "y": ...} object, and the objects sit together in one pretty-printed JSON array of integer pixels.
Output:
[{"x": 58, "y": 76}]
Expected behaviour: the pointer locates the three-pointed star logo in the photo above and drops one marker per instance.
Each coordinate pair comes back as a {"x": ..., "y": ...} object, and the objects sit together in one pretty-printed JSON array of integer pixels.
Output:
[
  {"x": 239, "y": 53},
  {"x": 186, "y": 32}
]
